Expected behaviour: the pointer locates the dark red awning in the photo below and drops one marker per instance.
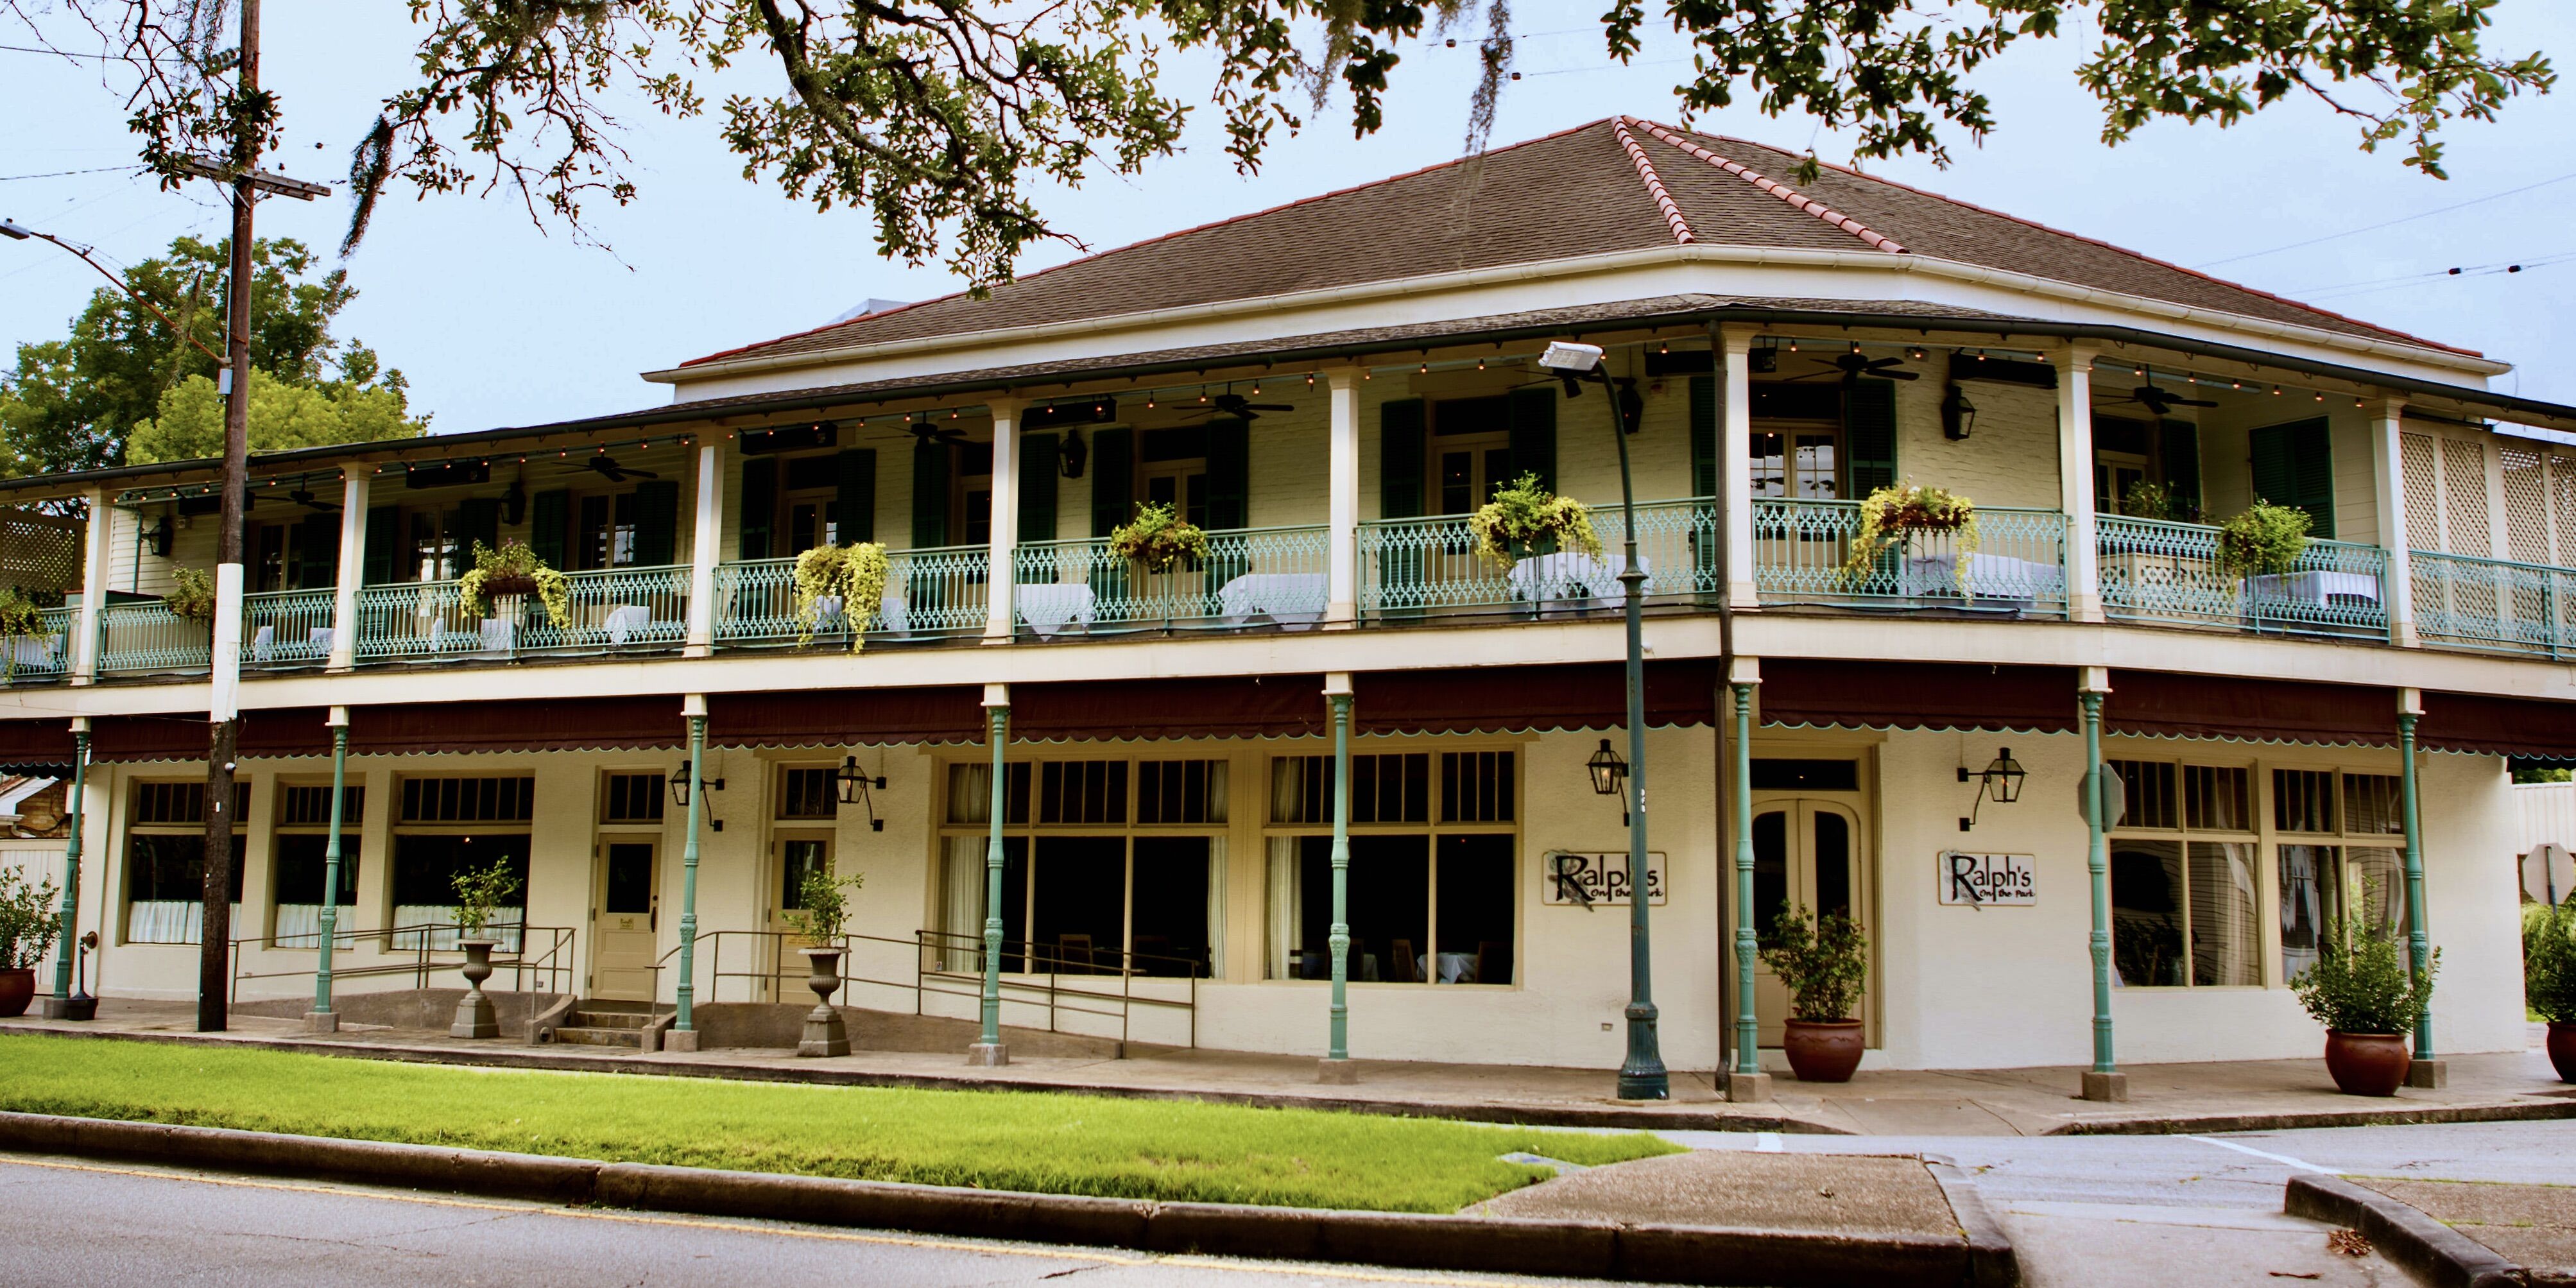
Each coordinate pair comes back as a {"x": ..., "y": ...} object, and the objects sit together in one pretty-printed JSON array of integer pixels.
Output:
[
  {"x": 2497, "y": 726},
  {"x": 1255, "y": 706},
  {"x": 845, "y": 717},
  {"x": 2164, "y": 705},
  {"x": 40, "y": 747},
  {"x": 1917, "y": 695},
  {"x": 1520, "y": 699}
]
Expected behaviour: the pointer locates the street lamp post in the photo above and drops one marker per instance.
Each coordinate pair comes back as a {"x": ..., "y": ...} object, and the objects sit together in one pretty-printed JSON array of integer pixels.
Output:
[{"x": 1641, "y": 1075}]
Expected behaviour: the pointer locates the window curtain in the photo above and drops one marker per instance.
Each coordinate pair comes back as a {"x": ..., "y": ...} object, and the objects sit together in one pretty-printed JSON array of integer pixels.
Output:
[
  {"x": 299, "y": 925},
  {"x": 168, "y": 921},
  {"x": 1286, "y": 911},
  {"x": 442, "y": 933},
  {"x": 970, "y": 794},
  {"x": 961, "y": 903},
  {"x": 1216, "y": 906}
]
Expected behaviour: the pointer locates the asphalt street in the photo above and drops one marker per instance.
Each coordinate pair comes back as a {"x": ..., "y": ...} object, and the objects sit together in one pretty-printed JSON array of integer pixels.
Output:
[{"x": 2097, "y": 1211}]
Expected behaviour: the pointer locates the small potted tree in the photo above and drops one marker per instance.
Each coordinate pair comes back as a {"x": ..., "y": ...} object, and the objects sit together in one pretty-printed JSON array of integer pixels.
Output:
[
  {"x": 192, "y": 596},
  {"x": 2549, "y": 978},
  {"x": 1159, "y": 540},
  {"x": 2265, "y": 541},
  {"x": 1822, "y": 961},
  {"x": 478, "y": 900},
  {"x": 500, "y": 581},
  {"x": 1891, "y": 518},
  {"x": 822, "y": 921},
  {"x": 849, "y": 578},
  {"x": 29, "y": 925},
  {"x": 2361, "y": 990}
]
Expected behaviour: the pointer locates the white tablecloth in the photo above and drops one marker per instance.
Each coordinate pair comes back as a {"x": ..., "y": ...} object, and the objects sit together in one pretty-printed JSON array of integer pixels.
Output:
[
  {"x": 625, "y": 622},
  {"x": 1455, "y": 968},
  {"x": 264, "y": 647},
  {"x": 41, "y": 651},
  {"x": 894, "y": 615},
  {"x": 1295, "y": 600},
  {"x": 1989, "y": 577},
  {"x": 1571, "y": 579},
  {"x": 1051, "y": 607},
  {"x": 2318, "y": 588}
]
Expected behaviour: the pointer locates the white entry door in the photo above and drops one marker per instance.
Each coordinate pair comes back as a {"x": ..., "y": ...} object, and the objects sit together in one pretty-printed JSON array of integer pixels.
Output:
[
  {"x": 623, "y": 934},
  {"x": 1805, "y": 852}
]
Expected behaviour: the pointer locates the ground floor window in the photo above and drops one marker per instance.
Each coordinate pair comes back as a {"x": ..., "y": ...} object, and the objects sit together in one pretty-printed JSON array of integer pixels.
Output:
[
  {"x": 1150, "y": 904},
  {"x": 165, "y": 883},
  {"x": 425, "y": 868},
  {"x": 301, "y": 853},
  {"x": 1422, "y": 909},
  {"x": 2323, "y": 884}
]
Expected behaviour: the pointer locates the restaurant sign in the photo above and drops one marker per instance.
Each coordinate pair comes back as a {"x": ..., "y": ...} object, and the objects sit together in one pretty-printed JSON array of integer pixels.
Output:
[
  {"x": 1988, "y": 880},
  {"x": 1599, "y": 877}
]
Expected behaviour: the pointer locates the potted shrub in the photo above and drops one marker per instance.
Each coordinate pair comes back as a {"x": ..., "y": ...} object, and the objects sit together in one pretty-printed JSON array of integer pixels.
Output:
[
  {"x": 822, "y": 921},
  {"x": 192, "y": 596},
  {"x": 1892, "y": 517},
  {"x": 1823, "y": 962},
  {"x": 852, "y": 576},
  {"x": 29, "y": 925},
  {"x": 1158, "y": 540},
  {"x": 2265, "y": 541},
  {"x": 1525, "y": 518},
  {"x": 2361, "y": 990},
  {"x": 504, "y": 577},
  {"x": 478, "y": 898},
  {"x": 2549, "y": 978},
  {"x": 2146, "y": 500}
]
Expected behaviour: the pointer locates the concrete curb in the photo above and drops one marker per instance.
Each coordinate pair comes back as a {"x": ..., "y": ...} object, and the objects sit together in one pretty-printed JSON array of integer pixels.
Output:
[
  {"x": 2429, "y": 1250},
  {"x": 1652, "y": 1253},
  {"x": 2531, "y": 1111},
  {"x": 1991, "y": 1263}
]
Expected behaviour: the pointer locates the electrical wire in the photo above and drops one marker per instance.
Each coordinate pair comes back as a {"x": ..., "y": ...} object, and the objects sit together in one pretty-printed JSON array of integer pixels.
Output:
[
  {"x": 57, "y": 174},
  {"x": 2372, "y": 228}
]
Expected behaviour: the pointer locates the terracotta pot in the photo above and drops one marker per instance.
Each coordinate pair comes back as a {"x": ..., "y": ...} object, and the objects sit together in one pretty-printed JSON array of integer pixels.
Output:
[
  {"x": 2562, "y": 1050},
  {"x": 18, "y": 988},
  {"x": 1823, "y": 1050},
  {"x": 2366, "y": 1064}
]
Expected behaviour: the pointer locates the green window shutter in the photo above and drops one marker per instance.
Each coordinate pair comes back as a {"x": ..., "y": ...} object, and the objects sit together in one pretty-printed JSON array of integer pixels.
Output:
[
  {"x": 1229, "y": 474},
  {"x": 1399, "y": 459},
  {"x": 1703, "y": 435},
  {"x": 855, "y": 504},
  {"x": 478, "y": 519},
  {"x": 384, "y": 536},
  {"x": 657, "y": 522},
  {"x": 1534, "y": 434},
  {"x": 929, "y": 494},
  {"x": 1869, "y": 435},
  {"x": 759, "y": 508},
  {"x": 1037, "y": 487},
  {"x": 2180, "y": 451},
  {"x": 317, "y": 552},
  {"x": 550, "y": 526},
  {"x": 2294, "y": 465},
  {"x": 1113, "y": 479}
]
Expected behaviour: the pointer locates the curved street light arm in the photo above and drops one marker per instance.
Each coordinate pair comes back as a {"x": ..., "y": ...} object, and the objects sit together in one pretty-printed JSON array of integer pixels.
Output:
[{"x": 21, "y": 232}]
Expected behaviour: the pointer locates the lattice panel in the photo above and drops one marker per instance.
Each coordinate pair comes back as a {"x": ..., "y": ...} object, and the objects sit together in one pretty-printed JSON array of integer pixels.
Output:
[
  {"x": 2423, "y": 492},
  {"x": 2526, "y": 504},
  {"x": 2464, "y": 497},
  {"x": 2562, "y": 507},
  {"x": 39, "y": 551}
]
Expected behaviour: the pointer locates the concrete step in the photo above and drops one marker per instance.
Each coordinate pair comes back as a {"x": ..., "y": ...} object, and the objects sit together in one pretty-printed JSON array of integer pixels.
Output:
[
  {"x": 585, "y": 1036},
  {"x": 584, "y": 1017}
]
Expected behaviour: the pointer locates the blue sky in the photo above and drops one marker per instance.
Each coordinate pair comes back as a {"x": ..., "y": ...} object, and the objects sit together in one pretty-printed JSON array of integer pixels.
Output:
[{"x": 498, "y": 322}]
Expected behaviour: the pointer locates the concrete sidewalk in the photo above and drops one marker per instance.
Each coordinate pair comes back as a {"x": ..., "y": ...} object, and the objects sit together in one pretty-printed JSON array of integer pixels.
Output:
[{"x": 2002, "y": 1102}]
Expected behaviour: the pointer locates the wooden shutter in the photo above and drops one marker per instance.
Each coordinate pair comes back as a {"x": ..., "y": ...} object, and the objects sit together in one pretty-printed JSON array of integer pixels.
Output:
[
  {"x": 2179, "y": 449},
  {"x": 1113, "y": 479},
  {"x": 317, "y": 551},
  {"x": 1703, "y": 435},
  {"x": 2293, "y": 465},
  {"x": 1869, "y": 435},
  {"x": 1399, "y": 459},
  {"x": 550, "y": 526},
  {"x": 478, "y": 520},
  {"x": 856, "y": 500},
  {"x": 929, "y": 494},
  {"x": 384, "y": 539},
  {"x": 1533, "y": 429},
  {"x": 755, "y": 536},
  {"x": 1229, "y": 474},
  {"x": 657, "y": 522},
  {"x": 1037, "y": 486}
]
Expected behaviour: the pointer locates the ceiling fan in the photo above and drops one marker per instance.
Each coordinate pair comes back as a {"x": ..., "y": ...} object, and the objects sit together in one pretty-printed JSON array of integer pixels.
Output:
[
  {"x": 1238, "y": 407},
  {"x": 303, "y": 496},
  {"x": 2157, "y": 400},
  {"x": 1855, "y": 364},
  {"x": 607, "y": 467},
  {"x": 933, "y": 432}
]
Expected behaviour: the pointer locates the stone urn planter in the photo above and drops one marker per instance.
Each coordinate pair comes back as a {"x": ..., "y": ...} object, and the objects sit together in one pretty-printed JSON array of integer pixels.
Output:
[
  {"x": 824, "y": 1034},
  {"x": 2562, "y": 1051},
  {"x": 2366, "y": 1064},
  {"x": 18, "y": 988},
  {"x": 474, "y": 1016},
  {"x": 1822, "y": 1050}
]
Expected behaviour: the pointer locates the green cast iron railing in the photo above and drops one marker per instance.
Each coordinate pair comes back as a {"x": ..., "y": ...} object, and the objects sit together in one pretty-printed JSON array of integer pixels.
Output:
[
  {"x": 1250, "y": 576},
  {"x": 44, "y": 656},
  {"x": 2467, "y": 602},
  {"x": 2156, "y": 571},
  {"x": 1413, "y": 567},
  {"x": 1802, "y": 548},
  {"x": 285, "y": 629},
  {"x": 929, "y": 592},
  {"x": 608, "y": 610},
  {"x": 136, "y": 639}
]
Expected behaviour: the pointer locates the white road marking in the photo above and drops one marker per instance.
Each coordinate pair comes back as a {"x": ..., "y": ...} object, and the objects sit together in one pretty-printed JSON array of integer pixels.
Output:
[
  {"x": 2283, "y": 1159},
  {"x": 1766, "y": 1142}
]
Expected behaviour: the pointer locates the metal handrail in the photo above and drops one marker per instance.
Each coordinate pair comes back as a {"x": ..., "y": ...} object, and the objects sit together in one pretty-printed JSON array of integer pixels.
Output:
[
  {"x": 2465, "y": 601},
  {"x": 420, "y": 961},
  {"x": 2162, "y": 571}
]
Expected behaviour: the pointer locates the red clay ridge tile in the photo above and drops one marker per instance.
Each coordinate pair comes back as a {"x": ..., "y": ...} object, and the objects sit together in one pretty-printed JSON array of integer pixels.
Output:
[
  {"x": 1654, "y": 182},
  {"x": 1776, "y": 188}
]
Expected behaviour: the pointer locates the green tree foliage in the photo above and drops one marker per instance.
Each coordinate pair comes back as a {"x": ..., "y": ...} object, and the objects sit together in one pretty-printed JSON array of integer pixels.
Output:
[
  {"x": 124, "y": 388},
  {"x": 930, "y": 115}
]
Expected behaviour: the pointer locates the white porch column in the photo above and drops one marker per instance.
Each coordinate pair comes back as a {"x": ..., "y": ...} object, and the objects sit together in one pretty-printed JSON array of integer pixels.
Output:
[
  {"x": 353, "y": 570},
  {"x": 1342, "y": 561},
  {"x": 2075, "y": 482},
  {"x": 706, "y": 541},
  {"x": 2388, "y": 471},
  {"x": 1735, "y": 456},
  {"x": 1002, "y": 571},
  {"x": 98, "y": 551}
]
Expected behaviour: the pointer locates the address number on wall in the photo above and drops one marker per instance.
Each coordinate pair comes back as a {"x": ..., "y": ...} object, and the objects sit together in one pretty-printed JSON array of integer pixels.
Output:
[{"x": 1988, "y": 880}]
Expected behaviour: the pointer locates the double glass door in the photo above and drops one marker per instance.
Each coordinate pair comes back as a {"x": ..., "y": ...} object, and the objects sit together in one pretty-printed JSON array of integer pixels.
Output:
[{"x": 1806, "y": 853}]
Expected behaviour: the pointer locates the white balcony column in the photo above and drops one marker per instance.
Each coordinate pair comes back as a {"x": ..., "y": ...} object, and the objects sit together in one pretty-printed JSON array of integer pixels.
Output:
[
  {"x": 1002, "y": 570},
  {"x": 1735, "y": 457},
  {"x": 1342, "y": 559},
  {"x": 2388, "y": 472},
  {"x": 98, "y": 554},
  {"x": 352, "y": 570},
  {"x": 2075, "y": 481},
  {"x": 706, "y": 541}
]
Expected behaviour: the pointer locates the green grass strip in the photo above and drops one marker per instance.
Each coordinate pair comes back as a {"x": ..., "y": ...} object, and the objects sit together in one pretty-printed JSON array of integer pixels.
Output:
[{"x": 1003, "y": 1140}]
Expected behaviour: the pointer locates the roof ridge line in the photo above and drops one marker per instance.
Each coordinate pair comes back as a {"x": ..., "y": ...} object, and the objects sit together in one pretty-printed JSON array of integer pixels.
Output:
[
  {"x": 1654, "y": 182},
  {"x": 1873, "y": 239}
]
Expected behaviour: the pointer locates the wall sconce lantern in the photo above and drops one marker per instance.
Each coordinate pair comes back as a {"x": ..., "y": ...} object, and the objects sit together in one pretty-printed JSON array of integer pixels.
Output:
[
  {"x": 855, "y": 787},
  {"x": 1071, "y": 453},
  {"x": 680, "y": 785},
  {"x": 1958, "y": 415},
  {"x": 2000, "y": 781},
  {"x": 1609, "y": 776}
]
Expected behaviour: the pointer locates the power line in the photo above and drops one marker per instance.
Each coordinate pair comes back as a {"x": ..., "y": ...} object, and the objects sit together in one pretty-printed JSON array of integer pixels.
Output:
[
  {"x": 56, "y": 174},
  {"x": 2406, "y": 219},
  {"x": 102, "y": 58},
  {"x": 2501, "y": 268}
]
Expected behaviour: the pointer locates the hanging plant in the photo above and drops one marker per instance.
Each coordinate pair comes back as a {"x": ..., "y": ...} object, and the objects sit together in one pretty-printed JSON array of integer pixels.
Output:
[
  {"x": 854, "y": 575},
  {"x": 513, "y": 569},
  {"x": 1891, "y": 514},
  {"x": 1525, "y": 515},
  {"x": 192, "y": 596},
  {"x": 1159, "y": 538},
  {"x": 2266, "y": 540}
]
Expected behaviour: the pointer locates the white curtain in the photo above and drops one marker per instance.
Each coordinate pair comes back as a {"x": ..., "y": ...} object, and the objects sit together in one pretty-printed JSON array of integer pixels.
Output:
[
  {"x": 1285, "y": 913},
  {"x": 504, "y": 926},
  {"x": 970, "y": 792},
  {"x": 961, "y": 901},
  {"x": 170, "y": 921},
  {"x": 1216, "y": 903},
  {"x": 299, "y": 925}
]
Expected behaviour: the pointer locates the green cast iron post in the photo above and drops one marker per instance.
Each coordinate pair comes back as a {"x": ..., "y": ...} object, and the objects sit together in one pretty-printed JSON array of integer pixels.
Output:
[
  {"x": 686, "y": 1020},
  {"x": 1748, "y": 1027},
  {"x": 2097, "y": 861},
  {"x": 331, "y": 871},
  {"x": 71, "y": 870},
  {"x": 2419, "y": 938},
  {"x": 998, "y": 724},
  {"x": 1339, "y": 1045}
]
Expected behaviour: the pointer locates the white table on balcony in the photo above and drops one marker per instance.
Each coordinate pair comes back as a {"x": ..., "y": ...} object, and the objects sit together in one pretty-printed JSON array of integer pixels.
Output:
[
  {"x": 1051, "y": 608},
  {"x": 894, "y": 617},
  {"x": 1571, "y": 581},
  {"x": 2321, "y": 589},
  {"x": 1993, "y": 581},
  {"x": 1294, "y": 600}
]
